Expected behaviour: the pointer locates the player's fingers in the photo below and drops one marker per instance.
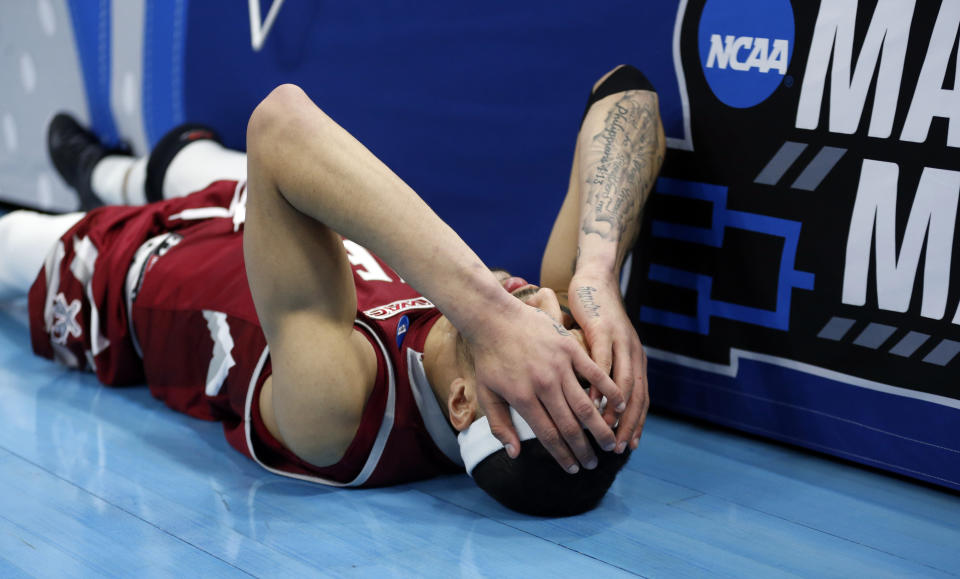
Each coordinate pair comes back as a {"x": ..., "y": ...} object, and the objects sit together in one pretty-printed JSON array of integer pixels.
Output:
[
  {"x": 498, "y": 416},
  {"x": 568, "y": 409},
  {"x": 625, "y": 367},
  {"x": 643, "y": 386},
  {"x": 603, "y": 385},
  {"x": 628, "y": 428},
  {"x": 581, "y": 338},
  {"x": 599, "y": 379},
  {"x": 601, "y": 350},
  {"x": 610, "y": 415},
  {"x": 596, "y": 396},
  {"x": 635, "y": 442},
  {"x": 548, "y": 434},
  {"x": 589, "y": 417}
]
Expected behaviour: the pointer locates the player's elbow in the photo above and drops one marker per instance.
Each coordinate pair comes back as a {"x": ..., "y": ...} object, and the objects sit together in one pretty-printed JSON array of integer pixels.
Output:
[
  {"x": 315, "y": 420},
  {"x": 272, "y": 117},
  {"x": 286, "y": 120}
]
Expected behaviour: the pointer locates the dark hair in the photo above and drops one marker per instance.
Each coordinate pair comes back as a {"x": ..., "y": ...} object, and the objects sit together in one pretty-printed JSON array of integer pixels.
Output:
[{"x": 534, "y": 484}]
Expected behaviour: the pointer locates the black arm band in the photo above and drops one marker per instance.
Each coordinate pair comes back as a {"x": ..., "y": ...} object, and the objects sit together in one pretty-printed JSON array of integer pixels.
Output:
[{"x": 625, "y": 78}]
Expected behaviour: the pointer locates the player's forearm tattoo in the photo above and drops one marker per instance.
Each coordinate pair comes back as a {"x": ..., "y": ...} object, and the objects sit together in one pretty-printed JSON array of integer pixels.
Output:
[
  {"x": 623, "y": 161},
  {"x": 587, "y": 301}
]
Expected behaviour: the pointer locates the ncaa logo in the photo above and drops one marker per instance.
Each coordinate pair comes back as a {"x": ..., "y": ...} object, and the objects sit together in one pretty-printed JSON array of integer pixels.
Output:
[
  {"x": 402, "y": 328},
  {"x": 745, "y": 48}
]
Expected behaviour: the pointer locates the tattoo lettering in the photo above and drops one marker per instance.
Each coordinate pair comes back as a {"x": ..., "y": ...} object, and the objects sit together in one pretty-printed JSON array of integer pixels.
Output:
[
  {"x": 558, "y": 327},
  {"x": 623, "y": 160},
  {"x": 585, "y": 295}
]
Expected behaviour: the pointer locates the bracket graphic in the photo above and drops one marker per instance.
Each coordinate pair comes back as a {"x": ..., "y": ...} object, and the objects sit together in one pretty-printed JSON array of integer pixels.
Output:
[{"x": 722, "y": 218}]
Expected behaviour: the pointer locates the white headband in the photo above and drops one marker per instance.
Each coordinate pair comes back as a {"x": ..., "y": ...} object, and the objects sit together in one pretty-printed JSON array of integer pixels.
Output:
[{"x": 477, "y": 442}]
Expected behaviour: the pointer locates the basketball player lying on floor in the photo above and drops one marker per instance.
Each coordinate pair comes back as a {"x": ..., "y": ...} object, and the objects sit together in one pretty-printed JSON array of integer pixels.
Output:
[{"x": 328, "y": 366}]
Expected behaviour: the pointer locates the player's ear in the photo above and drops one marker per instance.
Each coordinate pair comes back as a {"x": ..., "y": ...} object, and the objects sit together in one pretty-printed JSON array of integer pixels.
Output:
[{"x": 462, "y": 404}]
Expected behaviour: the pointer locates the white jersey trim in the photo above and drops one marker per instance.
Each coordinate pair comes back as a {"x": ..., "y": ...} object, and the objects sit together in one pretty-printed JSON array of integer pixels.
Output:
[
  {"x": 433, "y": 418},
  {"x": 386, "y": 425},
  {"x": 52, "y": 271},
  {"x": 134, "y": 281},
  {"x": 237, "y": 211},
  {"x": 398, "y": 307}
]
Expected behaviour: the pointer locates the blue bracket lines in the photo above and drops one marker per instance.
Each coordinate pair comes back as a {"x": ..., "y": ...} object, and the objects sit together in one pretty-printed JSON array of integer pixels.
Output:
[{"x": 722, "y": 218}]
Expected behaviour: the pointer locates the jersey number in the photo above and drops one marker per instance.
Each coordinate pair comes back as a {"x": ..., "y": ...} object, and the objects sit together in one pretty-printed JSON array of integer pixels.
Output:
[{"x": 367, "y": 266}]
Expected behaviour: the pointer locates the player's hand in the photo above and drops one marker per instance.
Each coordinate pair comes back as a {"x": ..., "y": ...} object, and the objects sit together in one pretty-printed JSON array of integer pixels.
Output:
[
  {"x": 614, "y": 345},
  {"x": 527, "y": 359}
]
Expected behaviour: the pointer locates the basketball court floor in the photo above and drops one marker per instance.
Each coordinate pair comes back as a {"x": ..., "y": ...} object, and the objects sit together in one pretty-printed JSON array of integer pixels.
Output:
[{"x": 109, "y": 482}]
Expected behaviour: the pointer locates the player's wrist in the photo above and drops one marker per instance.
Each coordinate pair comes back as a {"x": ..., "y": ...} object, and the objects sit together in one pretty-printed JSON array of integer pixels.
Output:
[
  {"x": 597, "y": 259},
  {"x": 595, "y": 274},
  {"x": 482, "y": 309}
]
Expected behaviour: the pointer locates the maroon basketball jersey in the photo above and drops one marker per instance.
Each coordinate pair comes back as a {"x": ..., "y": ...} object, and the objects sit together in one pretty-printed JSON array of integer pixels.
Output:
[{"x": 185, "y": 307}]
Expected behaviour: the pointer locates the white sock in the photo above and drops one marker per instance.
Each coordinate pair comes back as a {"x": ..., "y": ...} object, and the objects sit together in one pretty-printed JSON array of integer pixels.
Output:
[
  {"x": 120, "y": 179},
  {"x": 25, "y": 239},
  {"x": 201, "y": 163}
]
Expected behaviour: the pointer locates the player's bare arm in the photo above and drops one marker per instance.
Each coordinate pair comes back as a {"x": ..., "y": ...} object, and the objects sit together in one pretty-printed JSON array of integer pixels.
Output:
[
  {"x": 307, "y": 178},
  {"x": 617, "y": 158},
  {"x": 299, "y": 275}
]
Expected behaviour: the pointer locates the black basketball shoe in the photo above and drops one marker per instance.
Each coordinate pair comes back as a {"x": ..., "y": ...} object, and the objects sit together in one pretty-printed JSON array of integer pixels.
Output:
[{"x": 75, "y": 151}]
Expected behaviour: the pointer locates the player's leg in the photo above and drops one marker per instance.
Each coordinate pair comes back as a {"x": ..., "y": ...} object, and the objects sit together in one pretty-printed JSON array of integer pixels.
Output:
[
  {"x": 186, "y": 159},
  {"x": 25, "y": 239}
]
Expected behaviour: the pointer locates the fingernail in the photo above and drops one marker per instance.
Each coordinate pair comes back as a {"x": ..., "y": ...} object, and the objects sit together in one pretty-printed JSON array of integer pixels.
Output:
[
  {"x": 636, "y": 443},
  {"x": 510, "y": 450},
  {"x": 591, "y": 464},
  {"x": 573, "y": 469},
  {"x": 621, "y": 407},
  {"x": 610, "y": 446},
  {"x": 621, "y": 447}
]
